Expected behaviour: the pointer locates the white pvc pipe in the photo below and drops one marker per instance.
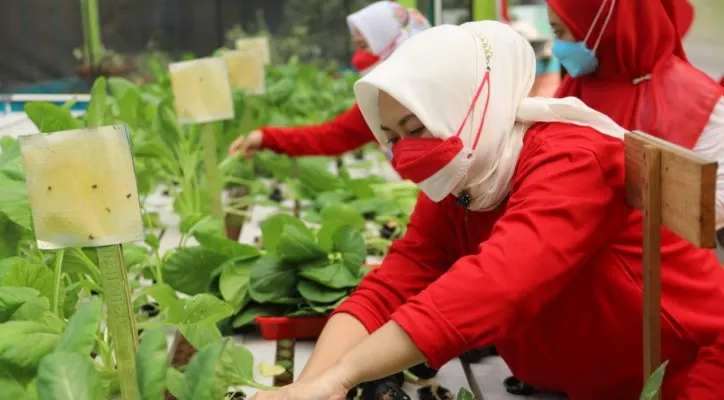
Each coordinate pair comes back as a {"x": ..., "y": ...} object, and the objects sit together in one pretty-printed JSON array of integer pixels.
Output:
[{"x": 437, "y": 7}]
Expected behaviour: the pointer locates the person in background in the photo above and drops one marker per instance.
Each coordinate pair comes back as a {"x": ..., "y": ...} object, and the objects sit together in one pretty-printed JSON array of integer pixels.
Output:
[
  {"x": 521, "y": 238},
  {"x": 638, "y": 73},
  {"x": 377, "y": 31}
]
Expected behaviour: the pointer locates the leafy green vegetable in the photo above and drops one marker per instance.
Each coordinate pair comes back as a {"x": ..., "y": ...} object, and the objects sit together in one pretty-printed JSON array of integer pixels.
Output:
[
  {"x": 68, "y": 376},
  {"x": 79, "y": 335},
  {"x": 152, "y": 365}
]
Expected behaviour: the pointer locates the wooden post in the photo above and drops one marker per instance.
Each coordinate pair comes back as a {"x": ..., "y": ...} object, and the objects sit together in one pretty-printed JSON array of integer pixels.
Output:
[
  {"x": 652, "y": 258},
  {"x": 674, "y": 188}
]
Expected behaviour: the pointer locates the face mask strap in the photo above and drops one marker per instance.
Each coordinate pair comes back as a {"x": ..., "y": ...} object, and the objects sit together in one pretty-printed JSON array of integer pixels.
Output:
[
  {"x": 384, "y": 53},
  {"x": 605, "y": 23}
]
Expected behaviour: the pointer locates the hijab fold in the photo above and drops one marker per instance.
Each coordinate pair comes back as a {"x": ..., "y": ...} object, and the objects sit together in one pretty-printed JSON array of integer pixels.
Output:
[{"x": 439, "y": 90}]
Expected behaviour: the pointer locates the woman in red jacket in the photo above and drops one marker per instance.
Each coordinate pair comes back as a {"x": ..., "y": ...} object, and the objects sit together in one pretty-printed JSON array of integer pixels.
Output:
[
  {"x": 638, "y": 74},
  {"x": 377, "y": 30},
  {"x": 521, "y": 238}
]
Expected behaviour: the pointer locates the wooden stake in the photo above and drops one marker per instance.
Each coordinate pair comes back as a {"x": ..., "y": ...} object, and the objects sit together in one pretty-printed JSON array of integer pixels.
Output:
[
  {"x": 121, "y": 319},
  {"x": 675, "y": 188},
  {"x": 651, "y": 197},
  {"x": 213, "y": 177}
]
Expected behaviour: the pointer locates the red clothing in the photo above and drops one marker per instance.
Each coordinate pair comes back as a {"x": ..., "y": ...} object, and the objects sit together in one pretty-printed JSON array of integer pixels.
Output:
[
  {"x": 675, "y": 103},
  {"x": 553, "y": 279},
  {"x": 681, "y": 11},
  {"x": 346, "y": 132}
]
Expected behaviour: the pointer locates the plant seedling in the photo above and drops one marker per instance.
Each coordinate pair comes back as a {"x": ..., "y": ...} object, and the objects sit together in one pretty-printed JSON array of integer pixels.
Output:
[
  {"x": 202, "y": 96},
  {"x": 434, "y": 392},
  {"x": 276, "y": 195},
  {"x": 82, "y": 191},
  {"x": 259, "y": 43},
  {"x": 235, "y": 395},
  {"x": 388, "y": 388},
  {"x": 390, "y": 230}
]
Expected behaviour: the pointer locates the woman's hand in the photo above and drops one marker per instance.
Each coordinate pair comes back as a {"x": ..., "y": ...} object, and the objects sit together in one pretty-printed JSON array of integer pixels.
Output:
[
  {"x": 247, "y": 145},
  {"x": 328, "y": 386}
]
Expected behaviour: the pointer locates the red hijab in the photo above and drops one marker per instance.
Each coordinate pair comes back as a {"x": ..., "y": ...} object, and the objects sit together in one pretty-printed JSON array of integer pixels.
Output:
[{"x": 642, "y": 43}]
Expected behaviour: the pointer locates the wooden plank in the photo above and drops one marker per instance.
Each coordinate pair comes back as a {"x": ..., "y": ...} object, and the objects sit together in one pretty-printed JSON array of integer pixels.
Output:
[
  {"x": 687, "y": 188},
  {"x": 652, "y": 210}
]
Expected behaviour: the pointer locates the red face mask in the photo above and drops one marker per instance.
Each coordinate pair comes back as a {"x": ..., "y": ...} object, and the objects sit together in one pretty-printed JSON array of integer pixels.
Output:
[
  {"x": 420, "y": 159},
  {"x": 417, "y": 159},
  {"x": 363, "y": 60}
]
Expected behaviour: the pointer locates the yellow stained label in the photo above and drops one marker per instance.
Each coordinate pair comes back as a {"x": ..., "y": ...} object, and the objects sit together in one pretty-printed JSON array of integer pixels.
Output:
[
  {"x": 259, "y": 43},
  {"x": 82, "y": 188},
  {"x": 246, "y": 70},
  {"x": 201, "y": 90}
]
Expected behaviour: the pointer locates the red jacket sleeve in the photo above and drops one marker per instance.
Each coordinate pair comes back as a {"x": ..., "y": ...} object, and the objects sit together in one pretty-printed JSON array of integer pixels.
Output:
[
  {"x": 412, "y": 263},
  {"x": 556, "y": 217},
  {"x": 346, "y": 132}
]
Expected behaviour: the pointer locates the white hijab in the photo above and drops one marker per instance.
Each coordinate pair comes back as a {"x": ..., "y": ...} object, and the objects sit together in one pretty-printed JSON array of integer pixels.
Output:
[
  {"x": 386, "y": 25},
  {"x": 436, "y": 75}
]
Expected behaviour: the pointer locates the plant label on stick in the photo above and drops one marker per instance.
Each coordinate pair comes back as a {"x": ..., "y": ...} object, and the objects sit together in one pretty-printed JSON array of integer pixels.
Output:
[
  {"x": 201, "y": 90},
  {"x": 203, "y": 95},
  {"x": 82, "y": 191},
  {"x": 246, "y": 70},
  {"x": 82, "y": 188},
  {"x": 260, "y": 43}
]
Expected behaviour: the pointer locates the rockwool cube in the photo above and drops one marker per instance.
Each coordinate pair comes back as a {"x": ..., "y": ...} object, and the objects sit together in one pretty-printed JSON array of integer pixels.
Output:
[
  {"x": 201, "y": 90},
  {"x": 260, "y": 43},
  {"x": 82, "y": 187},
  {"x": 246, "y": 70}
]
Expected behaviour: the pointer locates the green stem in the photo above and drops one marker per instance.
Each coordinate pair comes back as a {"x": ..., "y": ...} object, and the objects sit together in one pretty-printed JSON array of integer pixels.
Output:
[
  {"x": 257, "y": 385},
  {"x": 93, "y": 269},
  {"x": 211, "y": 167},
  {"x": 234, "y": 211},
  {"x": 58, "y": 277}
]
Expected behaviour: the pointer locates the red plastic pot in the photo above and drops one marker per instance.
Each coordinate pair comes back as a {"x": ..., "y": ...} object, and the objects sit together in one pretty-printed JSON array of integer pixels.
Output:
[{"x": 275, "y": 328}]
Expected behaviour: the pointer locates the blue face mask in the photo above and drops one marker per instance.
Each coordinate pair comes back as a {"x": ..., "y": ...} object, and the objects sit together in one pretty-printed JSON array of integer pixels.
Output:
[{"x": 576, "y": 58}]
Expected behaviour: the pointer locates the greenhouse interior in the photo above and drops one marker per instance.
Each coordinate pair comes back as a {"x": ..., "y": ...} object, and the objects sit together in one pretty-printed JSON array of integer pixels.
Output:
[{"x": 236, "y": 211}]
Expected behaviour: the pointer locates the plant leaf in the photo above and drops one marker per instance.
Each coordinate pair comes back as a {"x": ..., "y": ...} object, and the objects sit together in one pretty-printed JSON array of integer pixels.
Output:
[
  {"x": 334, "y": 275},
  {"x": 272, "y": 228},
  {"x": 295, "y": 245},
  {"x": 68, "y": 376},
  {"x": 95, "y": 114},
  {"x": 152, "y": 364},
  {"x": 14, "y": 201},
  {"x": 50, "y": 118},
  {"x": 465, "y": 394},
  {"x": 200, "y": 308},
  {"x": 79, "y": 335},
  {"x": 174, "y": 382},
  {"x": 38, "y": 277},
  {"x": 316, "y": 293},
  {"x": 272, "y": 280},
  {"x": 191, "y": 269},
  {"x": 11, "y": 298},
  {"x": 24, "y": 343},
  {"x": 234, "y": 282},
  {"x": 199, "y": 378},
  {"x": 351, "y": 244},
  {"x": 653, "y": 384}
]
